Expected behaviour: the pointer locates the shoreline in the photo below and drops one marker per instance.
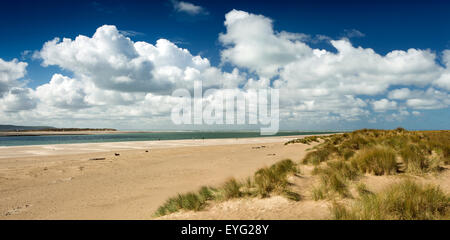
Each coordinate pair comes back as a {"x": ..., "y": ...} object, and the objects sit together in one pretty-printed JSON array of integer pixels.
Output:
[
  {"x": 26, "y": 140},
  {"x": 99, "y": 147},
  {"x": 62, "y": 133}
]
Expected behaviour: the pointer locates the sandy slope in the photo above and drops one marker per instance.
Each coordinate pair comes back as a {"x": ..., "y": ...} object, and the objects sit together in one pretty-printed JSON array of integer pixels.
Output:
[
  {"x": 60, "y": 182},
  {"x": 278, "y": 207},
  {"x": 273, "y": 208}
]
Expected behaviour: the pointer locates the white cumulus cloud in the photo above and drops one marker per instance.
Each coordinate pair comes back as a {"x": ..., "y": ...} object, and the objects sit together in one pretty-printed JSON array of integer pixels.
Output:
[
  {"x": 17, "y": 99},
  {"x": 10, "y": 72},
  {"x": 114, "y": 62},
  {"x": 187, "y": 7},
  {"x": 115, "y": 81},
  {"x": 383, "y": 105}
]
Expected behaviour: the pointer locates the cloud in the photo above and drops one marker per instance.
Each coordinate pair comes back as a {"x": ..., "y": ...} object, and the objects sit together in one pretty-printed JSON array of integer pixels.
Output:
[
  {"x": 189, "y": 8},
  {"x": 131, "y": 33},
  {"x": 420, "y": 103},
  {"x": 306, "y": 75},
  {"x": 444, "y": 80},
  {"x": 110, "y": 71},
  {"x": 10, "y": 72},
  {"x": 430, "y": 98},
  {"x": 352, "y": 33},
  {"x": 17, "y": 99},
  {"x": 108, "y": 58},
  {"x": 113, "y": 61},
  {"x": 112, "y": 80},
  {"x": 402, "y": 93},
  {"x": 63, "y": 92},
  {"x": 416, "y": 113},
  {"x": 383, "y": 105},
  {"x": 251, "y": 43}
]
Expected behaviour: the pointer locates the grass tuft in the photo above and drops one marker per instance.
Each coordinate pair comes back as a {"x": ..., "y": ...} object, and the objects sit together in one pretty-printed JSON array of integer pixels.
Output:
[
  {"x": 334, "y": 179},
  {"x": 402, "y": 201},
  {"x": 318, "y": 193},
  {"x": 264, "y": 182},
  {"x": 274, "y": 178},
  {"x": 362, "y": 190},
  {"x": 331, "y": 182},
  {"x": 292, "y": 195},
  {"x": 187, "y": 201},
  {"x": 231, "y": 189},
  {"x": 320, "y": 155},
  {"x": 374, "y": 151},
  {"x": 378, "y": 160},
  {"x": 206, "y": 193},
  {"x": 305, "y": 140}
]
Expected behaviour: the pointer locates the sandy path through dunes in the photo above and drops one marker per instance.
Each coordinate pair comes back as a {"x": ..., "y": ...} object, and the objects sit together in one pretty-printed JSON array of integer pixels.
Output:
[{"x": 60, "y": 182}]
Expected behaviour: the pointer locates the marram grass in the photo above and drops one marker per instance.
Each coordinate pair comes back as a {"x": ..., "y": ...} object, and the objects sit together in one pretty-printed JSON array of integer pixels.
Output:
[
  {"x": 264, "y": 182},
  {"x": 402, "y": 201}
]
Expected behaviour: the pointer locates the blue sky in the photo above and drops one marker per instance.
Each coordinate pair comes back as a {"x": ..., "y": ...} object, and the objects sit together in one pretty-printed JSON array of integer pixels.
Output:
[
  {"x": 382, "y": 26},
  {"x": 386, "y": 26}
]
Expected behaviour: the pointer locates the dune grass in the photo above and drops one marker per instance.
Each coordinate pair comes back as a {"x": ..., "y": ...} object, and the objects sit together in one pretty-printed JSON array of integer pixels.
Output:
[
  {"x": 265, "y": 181},
  {"x": 334, "y": 179},
  {"x": 341, "y": 158},
  {"x": 320, "y": 155},
  {"x": 305, "y": 140},
  {"x": 378, "y": 160},
  {"x": 188, "y": 201},
  {"x": 378, "y": 151},
  {"x": 274, "y": 178},
  {"x": 362, "y": 190},
  {"x": 402, "y": 201},
  {"x": 231, "y": 189},
  {"x": 416, "y": 161}
]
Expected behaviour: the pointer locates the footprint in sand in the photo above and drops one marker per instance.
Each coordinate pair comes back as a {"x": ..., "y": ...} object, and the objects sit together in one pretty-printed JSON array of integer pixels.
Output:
[{"x": 17, "y": 210}]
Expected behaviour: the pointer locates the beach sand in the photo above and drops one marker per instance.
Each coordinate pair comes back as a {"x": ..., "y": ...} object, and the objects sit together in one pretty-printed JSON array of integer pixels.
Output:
[{"x": 61, "y": 182}]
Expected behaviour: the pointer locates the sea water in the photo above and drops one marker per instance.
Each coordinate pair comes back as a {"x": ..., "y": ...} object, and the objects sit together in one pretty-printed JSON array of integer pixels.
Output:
[{"x": 125, "y": 137}]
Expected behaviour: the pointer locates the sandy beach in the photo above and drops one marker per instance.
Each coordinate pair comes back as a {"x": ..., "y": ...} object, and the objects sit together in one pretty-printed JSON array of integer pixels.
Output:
[{"x": 66, "y": 182}]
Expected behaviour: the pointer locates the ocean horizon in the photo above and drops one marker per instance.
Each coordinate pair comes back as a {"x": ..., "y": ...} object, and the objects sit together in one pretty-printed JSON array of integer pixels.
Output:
[{"x": 141, "y": 136}]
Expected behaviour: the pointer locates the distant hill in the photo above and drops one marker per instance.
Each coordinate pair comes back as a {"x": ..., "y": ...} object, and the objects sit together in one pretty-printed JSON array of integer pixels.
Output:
[
  {"x": 13, "y": 128},
  {"x": 6, "y": 128}
]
